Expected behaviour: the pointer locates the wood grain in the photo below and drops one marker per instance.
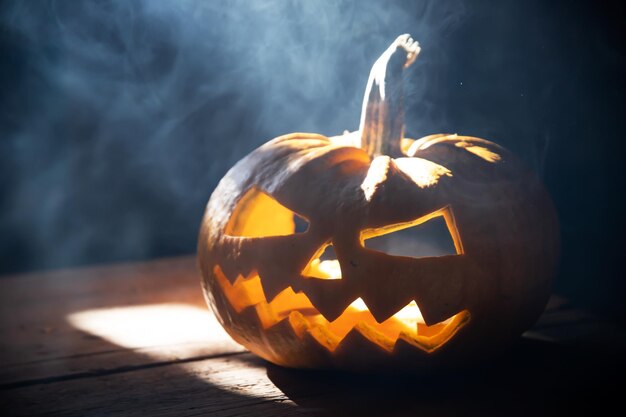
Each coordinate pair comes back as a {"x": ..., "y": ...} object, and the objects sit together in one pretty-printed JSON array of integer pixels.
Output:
[
  {"x": 34, "y": 307},
  {"x": 48, "y": 365},
  {"x": 216, "y": 386}
]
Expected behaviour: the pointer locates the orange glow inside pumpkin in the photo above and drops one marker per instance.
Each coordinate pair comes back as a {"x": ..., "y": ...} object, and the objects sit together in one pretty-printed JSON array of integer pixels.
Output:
[{"x": 259, "y": 215}]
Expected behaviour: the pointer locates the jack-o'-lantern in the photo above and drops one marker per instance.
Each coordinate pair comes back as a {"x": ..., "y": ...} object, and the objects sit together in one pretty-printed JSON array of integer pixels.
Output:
[{"x": 269, "y": 226}]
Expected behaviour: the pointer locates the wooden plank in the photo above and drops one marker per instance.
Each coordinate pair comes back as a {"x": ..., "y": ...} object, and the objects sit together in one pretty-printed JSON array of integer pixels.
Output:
[
  {"x": 118, "y": 283},
  {"x": 108, "y": 361},
  {"x": 34, "y": 308},
  {"x": 75, "y": 343},
  {"x": 221, "y": 386},
  {"x": 40, "y": 341},
  {"x": 534, "y": 378},
  {"x": 564, "y": 324}
]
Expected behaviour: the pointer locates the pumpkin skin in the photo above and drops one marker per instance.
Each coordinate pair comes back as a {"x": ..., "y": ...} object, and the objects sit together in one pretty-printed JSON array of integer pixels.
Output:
[{"x": 265, "y": 281}]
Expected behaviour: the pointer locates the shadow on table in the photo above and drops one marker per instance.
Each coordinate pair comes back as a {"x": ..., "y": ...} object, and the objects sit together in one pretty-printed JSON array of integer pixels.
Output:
[
  {"x": 532, "y": 378},
  {"x": 146, "y": 388},
  {"x": 82, "y": 373}
]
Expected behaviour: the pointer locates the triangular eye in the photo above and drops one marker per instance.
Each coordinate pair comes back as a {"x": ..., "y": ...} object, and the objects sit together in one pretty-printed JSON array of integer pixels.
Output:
[
  {"x": 324, "y": 264},
  {"x": 432, "y": 235},
  {"x": 257, "y": 214}
]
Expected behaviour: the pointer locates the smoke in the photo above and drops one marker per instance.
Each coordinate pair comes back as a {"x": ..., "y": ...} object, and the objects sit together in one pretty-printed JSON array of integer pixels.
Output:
[{"x": 120, "y": 117}]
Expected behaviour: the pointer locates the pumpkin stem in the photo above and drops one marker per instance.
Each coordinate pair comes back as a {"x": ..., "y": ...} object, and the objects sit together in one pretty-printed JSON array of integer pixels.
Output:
[{"x": 382, "y": 115}]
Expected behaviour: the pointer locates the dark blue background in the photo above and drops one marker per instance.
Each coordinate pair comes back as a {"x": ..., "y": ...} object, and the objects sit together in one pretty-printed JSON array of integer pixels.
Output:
[{"x": 118, "y": 118}]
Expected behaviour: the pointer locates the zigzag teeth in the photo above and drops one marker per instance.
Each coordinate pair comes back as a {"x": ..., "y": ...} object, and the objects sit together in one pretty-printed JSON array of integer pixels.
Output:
[
  {"x": 330, "y": 297},
  {"x": 382, "y": 312},
  {"x": 355, "y": 321},
  {"x": 370, "y": 347},
  {"x": 273, "y": 287},
  {"x": 432, "y": 343}
]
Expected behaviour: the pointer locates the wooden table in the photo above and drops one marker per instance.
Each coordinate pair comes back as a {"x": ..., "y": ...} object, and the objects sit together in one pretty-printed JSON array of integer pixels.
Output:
[{"x": 137, "y": 339}]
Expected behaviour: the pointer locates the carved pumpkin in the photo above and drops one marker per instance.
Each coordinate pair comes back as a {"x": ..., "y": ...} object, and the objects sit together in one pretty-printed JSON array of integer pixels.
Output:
[{"x": 275, "y": 291}]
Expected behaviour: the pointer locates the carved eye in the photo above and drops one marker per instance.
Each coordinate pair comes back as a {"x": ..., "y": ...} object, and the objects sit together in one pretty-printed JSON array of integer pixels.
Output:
[
  {"x": 324, "y": 264},
  {"x": 432, "y": 235},
  {"x": 258, "y": 214}
]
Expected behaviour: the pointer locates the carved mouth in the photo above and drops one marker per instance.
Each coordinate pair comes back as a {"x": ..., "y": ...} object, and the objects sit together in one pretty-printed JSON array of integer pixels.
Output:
[{"x": 297, "y": 310}]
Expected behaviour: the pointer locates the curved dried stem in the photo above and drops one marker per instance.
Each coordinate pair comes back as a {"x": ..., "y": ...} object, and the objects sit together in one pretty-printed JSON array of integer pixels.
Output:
[{"x": 382, "y": 115}]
